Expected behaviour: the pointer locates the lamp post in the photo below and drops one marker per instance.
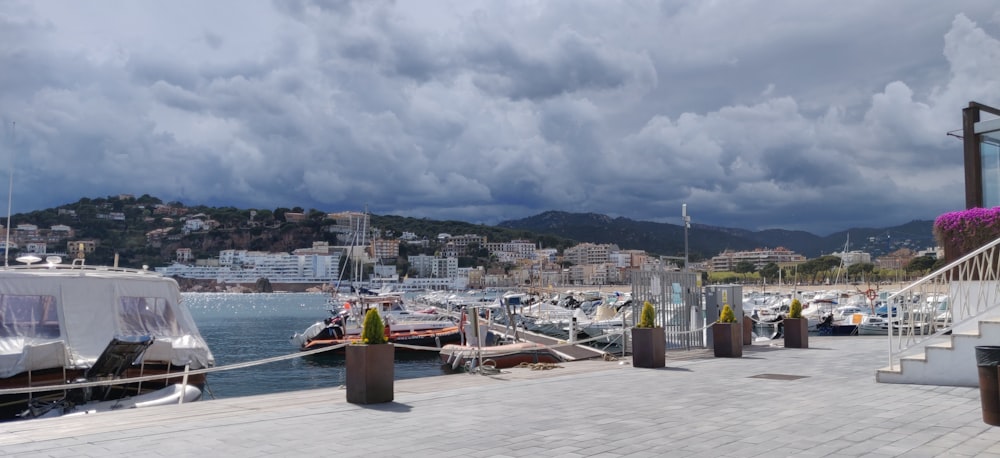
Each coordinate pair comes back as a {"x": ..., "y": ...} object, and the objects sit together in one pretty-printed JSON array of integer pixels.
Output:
[{"x": 687, "y": 225}]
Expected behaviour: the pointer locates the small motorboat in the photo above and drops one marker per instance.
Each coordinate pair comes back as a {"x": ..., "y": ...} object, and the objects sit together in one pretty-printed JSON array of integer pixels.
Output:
[{"x": 499, "y": 356}]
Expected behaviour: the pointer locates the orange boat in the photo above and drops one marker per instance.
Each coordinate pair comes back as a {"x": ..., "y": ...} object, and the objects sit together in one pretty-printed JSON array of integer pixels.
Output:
[{"x": 436, "y": 338}]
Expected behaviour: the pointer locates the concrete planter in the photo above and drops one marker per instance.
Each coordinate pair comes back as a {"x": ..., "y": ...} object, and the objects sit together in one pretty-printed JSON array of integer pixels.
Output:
[
  {"x": 727, "y": 339},
  {"x": 370, "y": 373},
  {"x": 649, "y": 347},
  {"x": 796, "y": 333}
]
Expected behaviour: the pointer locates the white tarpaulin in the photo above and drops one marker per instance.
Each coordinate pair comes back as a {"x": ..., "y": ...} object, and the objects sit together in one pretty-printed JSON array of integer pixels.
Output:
[{"x": 66, "y": 317}]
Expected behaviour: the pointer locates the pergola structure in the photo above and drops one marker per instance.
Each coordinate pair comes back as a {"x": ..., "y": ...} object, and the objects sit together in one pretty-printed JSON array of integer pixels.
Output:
[{"x": 982, "y": 156}]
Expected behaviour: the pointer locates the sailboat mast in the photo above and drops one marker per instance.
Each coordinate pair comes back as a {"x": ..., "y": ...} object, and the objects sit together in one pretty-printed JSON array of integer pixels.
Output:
[{"x": 10, "y": 199}]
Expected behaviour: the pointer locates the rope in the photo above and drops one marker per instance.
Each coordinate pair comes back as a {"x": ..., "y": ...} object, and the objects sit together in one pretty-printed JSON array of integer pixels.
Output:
[
  {"x": 763, "y": 322},
  {"x": 147, "y": 378},
  {"x": 539, "y": 366}
]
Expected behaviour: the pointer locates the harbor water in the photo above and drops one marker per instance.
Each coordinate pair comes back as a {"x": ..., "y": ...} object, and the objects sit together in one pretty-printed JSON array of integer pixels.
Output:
[{"x": 249, "y": 327}]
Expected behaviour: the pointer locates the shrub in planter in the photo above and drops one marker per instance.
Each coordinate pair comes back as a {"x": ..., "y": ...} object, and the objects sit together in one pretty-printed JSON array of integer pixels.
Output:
[
  {"x": 796, "y": 327},
  {"x": 649, "y": 341},
  {"x": 727, "y": 334},
  {"x": 370, "y": 370}
]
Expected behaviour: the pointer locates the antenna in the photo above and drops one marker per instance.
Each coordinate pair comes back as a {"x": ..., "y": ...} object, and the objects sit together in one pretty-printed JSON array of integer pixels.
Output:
[{"x": 10, "y": 197}]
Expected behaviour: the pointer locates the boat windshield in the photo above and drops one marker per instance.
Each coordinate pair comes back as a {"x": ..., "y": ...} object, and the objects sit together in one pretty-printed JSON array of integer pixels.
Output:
[
  {"x": 29, "y": 316},
  {"x": 151, "y": 316}
]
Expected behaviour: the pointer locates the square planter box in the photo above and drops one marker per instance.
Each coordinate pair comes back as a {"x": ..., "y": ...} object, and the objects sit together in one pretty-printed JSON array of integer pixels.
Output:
[
  {"x": 370, "y": 373},
  {"x": 796, "y": 333},
  {"x": 649, "y": 347},
  {"x": 747, "y": 331},
  {"x": 728, "y": 340}
]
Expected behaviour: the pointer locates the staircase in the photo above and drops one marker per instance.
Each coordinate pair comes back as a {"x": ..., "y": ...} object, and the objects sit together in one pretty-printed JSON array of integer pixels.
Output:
[
  {"x": 936, "y": 345},
  {"x": 949, "y": 361}
]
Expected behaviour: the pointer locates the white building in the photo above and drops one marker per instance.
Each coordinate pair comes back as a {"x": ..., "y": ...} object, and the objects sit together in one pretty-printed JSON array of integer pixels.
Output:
[
  {"x": 511, "y": 251},
  {"x": 242, "y": 266},
  {"x": 727, "y": 260},
  {"x": 589, "y": 253},
  {"x": 433, "y": 266},
  {"x": 193, "y": 225}
]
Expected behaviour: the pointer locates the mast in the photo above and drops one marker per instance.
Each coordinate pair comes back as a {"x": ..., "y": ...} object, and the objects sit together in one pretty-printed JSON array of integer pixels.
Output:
[{"x": 10, "y": 198}]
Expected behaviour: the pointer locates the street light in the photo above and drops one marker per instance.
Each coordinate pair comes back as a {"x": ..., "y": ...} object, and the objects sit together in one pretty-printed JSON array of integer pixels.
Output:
[{"x": 687, "y": 225}]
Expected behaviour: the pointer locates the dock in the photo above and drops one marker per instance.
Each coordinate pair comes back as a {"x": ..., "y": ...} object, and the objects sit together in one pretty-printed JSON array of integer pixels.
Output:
[
  {"x": 568, "y": 351},
  {"x": 822, "y": 402}
]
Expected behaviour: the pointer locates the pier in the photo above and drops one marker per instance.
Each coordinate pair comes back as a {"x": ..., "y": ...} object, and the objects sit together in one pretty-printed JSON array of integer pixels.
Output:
[{"x": 821, "y": 401}]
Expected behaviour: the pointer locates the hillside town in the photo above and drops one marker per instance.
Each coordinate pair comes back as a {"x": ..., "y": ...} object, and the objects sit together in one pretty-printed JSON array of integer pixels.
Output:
[{"x": 356, "y": 253}]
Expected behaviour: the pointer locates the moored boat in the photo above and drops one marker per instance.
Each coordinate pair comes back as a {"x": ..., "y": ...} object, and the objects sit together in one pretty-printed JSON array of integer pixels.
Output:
[
  {"x": 403, "y": 326},
  {"x": 434, "y": 338},
  {"x": 499, "y": 356},
  {"x": 63, "y": 325}
]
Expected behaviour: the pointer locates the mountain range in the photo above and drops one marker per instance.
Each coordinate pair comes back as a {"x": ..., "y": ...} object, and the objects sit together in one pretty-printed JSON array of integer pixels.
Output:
[{"x": 707, "y": 241}]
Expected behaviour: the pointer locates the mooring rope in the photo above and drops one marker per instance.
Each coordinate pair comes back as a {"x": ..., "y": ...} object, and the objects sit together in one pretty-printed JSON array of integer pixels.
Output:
[
  {"x": 146, "y": 378},
  {"x": 246, "y": 364}
]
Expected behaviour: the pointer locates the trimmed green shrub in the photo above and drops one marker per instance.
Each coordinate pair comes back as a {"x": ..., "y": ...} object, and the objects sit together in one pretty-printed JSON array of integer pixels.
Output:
[
  {"x": 648, "y": 317},
  {"x": 727, "y": 315},
  {"x": 373, "y": 331},
  {"x": 795, "y": 310}
]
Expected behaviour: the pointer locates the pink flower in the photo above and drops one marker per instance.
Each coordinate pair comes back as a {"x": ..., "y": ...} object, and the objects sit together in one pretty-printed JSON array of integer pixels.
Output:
[{"x": 968, "y": 229}]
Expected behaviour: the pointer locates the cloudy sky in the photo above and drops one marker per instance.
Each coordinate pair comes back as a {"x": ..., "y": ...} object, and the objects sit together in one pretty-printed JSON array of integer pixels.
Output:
[{"x": 796, "y": 114}]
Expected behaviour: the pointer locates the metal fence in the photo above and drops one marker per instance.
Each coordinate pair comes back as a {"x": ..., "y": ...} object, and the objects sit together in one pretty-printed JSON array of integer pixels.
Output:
[{"x": 673, "y": 295}]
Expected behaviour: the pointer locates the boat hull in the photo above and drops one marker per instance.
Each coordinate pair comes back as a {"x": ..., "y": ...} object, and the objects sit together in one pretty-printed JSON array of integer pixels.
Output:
[
  {"x": 499, "y": 356},
  {"x": 432, "y": 339},
  {"x": 14, "y": 406}
]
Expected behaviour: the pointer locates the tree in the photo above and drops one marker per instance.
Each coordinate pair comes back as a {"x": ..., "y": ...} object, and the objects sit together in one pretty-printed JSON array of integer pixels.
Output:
[
  {"x": 864, "y": 269},
  {"x": 920, "y": 264},
  {"x": 770, "y": 271},
  {"x": 744, "y": 267}
]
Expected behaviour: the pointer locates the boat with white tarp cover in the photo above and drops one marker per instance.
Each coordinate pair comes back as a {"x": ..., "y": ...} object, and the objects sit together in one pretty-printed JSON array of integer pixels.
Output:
[{"x": 68, "y": 331}]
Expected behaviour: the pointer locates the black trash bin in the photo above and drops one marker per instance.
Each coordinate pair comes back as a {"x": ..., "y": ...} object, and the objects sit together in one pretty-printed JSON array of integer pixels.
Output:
[{"x": 987, "y": 360}]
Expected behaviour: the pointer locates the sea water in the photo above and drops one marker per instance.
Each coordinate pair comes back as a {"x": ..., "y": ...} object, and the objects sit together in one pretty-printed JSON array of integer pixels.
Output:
[{"x": 241, "y": 328}]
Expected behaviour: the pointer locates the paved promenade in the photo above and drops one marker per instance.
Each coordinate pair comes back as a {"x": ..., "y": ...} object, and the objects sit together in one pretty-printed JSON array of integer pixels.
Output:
[{"x": 698, "y": 406}]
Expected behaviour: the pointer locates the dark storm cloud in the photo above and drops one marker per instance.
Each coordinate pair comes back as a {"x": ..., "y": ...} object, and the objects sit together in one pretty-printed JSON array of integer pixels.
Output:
[{"x": 758, "y": 114}]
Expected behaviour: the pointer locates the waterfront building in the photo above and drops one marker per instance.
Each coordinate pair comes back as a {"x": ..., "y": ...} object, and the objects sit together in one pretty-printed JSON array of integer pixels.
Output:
[
  {"x": 385, "y": 248},
  {"x": 760, "y": 257},
  {"x": 589, "y": 253},
  {"x": 243, "y": 266},
  {"x": 462, "y": 245},
  {"x": 511, "y": 251},
  {"x": 592, "y": 274},
  {"x": 426, "y": 266}
]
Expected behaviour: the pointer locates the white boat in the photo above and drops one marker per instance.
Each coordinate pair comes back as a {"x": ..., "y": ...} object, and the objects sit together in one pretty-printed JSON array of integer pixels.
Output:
[
  {"x": 346, "y": 322},
  {"x": 173, "y": 394},
  {"x": 63, "y": 325}
]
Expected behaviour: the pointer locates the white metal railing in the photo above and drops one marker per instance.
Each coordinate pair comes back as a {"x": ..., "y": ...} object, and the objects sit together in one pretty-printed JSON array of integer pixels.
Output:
[{"x": 957, "y": 294}]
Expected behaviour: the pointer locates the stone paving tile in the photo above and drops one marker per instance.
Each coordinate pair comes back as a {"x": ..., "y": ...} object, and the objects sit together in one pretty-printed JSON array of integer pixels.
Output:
[{"x": 700, "y": 407}]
